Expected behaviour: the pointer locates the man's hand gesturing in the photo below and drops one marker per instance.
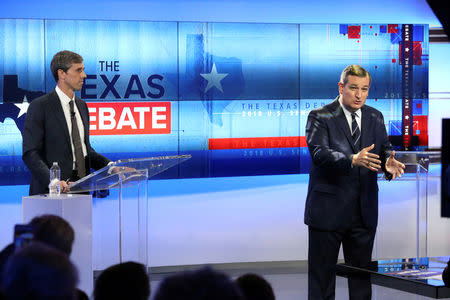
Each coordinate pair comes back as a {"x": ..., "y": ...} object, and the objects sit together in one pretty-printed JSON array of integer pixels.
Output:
[
  {"x": 366, "y": 159},
  {"x": 393, "y": 166}
]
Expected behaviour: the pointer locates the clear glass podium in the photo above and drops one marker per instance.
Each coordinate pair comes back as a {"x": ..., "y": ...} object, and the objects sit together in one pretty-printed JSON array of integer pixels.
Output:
[
  {"x": 125, "y": 209},
  {"x": 403, "y": 227},
  {"x": 411, "y": 218}
]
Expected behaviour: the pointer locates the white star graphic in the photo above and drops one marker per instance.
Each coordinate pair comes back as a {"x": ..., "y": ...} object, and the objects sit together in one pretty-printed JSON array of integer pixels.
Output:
[
  {"x": 22, "y": 106},
  {"x": 407, "y": 117},
  {"x": 214, "y": 78},
  {"x": 406, "y": 49}
]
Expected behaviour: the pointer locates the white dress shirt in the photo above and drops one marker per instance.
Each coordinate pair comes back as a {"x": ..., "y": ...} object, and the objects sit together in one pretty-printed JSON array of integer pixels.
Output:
[
  {"x": 348, "y": 116},
  {"x": 66, "y": 108}
]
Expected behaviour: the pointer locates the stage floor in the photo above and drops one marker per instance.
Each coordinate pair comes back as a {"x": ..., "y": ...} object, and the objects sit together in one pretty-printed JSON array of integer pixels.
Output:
[{"x": 289, "y": 280}]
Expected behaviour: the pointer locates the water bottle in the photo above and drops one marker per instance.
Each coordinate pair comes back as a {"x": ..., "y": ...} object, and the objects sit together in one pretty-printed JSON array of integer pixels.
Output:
[{"x": 55, "y": 177}]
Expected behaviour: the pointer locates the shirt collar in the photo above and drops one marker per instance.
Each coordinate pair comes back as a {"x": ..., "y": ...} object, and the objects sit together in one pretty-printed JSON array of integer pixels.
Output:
[
  {"x": 62, "y": 96},
  {"x": 347, "y": 112}
]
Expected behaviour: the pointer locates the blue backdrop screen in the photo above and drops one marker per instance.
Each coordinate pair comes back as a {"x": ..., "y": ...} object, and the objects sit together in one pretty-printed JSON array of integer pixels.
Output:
[{"x": 236, "y": 96}]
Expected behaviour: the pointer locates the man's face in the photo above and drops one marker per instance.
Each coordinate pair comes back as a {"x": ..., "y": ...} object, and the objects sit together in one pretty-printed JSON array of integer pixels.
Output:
[
  {"x": 354, "y": 93},
  {"x": 74, "y": 76}
]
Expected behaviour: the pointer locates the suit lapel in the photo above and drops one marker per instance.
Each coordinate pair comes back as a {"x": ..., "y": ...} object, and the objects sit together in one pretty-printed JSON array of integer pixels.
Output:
[
  {"x": 342, "y": 123},
  {"x": 365, "y": 124},
  {"x": 58, "y": 114}
]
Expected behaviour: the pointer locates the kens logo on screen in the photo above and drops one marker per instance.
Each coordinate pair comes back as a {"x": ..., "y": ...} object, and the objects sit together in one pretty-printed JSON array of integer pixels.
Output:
[{"x": 116, "y": 118}]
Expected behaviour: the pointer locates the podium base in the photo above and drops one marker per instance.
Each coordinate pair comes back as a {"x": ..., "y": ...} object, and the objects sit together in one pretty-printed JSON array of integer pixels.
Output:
[{"x": 77, "y": 210}]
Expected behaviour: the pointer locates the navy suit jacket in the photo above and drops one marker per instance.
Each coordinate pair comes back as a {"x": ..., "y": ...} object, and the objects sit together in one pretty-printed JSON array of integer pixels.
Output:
[
  {"x": 334, "y": 185},
  {"x": 46, "y": 140}
]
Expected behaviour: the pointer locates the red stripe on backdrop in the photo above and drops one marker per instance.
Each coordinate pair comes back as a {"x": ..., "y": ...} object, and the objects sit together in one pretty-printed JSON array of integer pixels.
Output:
[{"x": 257, "y": 142}]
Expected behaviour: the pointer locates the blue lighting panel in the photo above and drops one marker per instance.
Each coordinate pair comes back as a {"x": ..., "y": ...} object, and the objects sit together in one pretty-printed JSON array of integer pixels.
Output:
[
  {"x": 252, "y": 61},
  {"x": 325, "y": 50},
  {"x": 241, "y": 82},
  {"x": 134, "y": 48},
  {"x": 22, "y": 79},
  {"x": 252, "y": 137},
  {"x": 21, "y": 52},
  {"x": 236, "y": 96}
]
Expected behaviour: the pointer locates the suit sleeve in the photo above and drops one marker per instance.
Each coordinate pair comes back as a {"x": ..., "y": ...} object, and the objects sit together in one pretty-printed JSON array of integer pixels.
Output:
[
  {"x": 98, "y": 161},
  {"x": 33, "y": 143},
  {"x": 318, "y": 140}
]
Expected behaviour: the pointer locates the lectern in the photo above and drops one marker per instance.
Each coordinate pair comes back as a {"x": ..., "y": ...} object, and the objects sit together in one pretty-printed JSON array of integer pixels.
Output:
[
  {"x": 127, "y": 210},
  {"x": 77, "y": 210},
  {"x": 403, "y": 221},
  {"x": 418, "y": 273}
]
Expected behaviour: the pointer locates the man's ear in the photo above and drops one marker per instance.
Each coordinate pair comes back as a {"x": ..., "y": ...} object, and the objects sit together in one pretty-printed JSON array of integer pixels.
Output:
[
  {"x": 61, "y": 74},
  {"x": 341, "y": 87}
]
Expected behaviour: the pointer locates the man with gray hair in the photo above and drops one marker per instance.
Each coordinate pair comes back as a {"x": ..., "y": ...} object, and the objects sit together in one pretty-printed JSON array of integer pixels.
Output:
[{"x": 348, "y": 144}]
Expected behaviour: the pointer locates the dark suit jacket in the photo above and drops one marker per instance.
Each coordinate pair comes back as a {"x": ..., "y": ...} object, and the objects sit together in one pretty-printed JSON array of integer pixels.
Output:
[
  {"x": 334, "y": 185},
  {"x": 46, "y": 140}
]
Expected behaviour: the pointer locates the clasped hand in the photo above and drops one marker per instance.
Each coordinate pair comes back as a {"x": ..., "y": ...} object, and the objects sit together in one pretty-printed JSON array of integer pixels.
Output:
[{"x": 64, "y": 186}]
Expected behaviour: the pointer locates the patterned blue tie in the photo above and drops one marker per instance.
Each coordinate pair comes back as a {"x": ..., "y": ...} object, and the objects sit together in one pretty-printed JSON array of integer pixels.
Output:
[{"x": 356, "y": 133}]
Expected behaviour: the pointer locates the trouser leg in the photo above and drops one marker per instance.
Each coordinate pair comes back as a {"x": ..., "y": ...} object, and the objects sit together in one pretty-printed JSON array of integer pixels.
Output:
[
  {"x": 323, "y": 251},
  {"x": 357, "y": 245}
]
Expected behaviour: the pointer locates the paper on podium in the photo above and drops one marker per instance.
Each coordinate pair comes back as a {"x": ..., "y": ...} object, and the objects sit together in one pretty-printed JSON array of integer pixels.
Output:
[{"x": 126, "y": 172}]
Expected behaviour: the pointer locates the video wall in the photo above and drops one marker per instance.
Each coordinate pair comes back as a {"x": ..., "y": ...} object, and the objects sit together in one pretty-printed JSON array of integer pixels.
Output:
[{"x": 235, "y": 96}]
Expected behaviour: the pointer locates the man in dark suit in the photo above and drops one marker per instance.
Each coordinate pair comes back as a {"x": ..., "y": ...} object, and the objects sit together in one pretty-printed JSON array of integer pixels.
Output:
[
  {"x": 348, "y": 144},
  {"x": 57, "y": 128}
]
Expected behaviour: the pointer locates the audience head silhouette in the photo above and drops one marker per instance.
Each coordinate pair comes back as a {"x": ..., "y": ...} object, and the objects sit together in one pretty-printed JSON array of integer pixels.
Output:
[
  {"x": 123, "y": 281},
  {"x": 255, "y": 287},
  {"x": 202, "y": 284},
  {"x": 37, "y": 272},
  {"x": 54, "y": 231},
  {"x": 48, "y": 229}
]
